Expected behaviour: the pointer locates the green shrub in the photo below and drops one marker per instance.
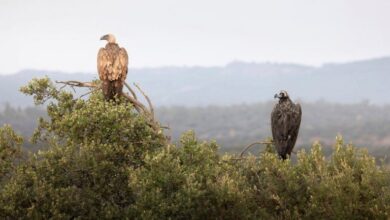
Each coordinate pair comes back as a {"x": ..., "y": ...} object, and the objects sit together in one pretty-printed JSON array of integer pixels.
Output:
[
  {"x": 347, "y": 186},
  {"x": 10, "y": 150},
  {"x": 105, "y": 162},
  {"x": 188, "y": 182}
]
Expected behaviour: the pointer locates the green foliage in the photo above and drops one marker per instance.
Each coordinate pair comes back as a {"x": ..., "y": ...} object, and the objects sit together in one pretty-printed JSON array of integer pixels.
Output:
[
  {"x": 41, "y": 90},
  {"x": 92, "y": 121},
  {"x": 10, "y": 144},
  {"x": 188, "y": 182},
  {"x": 67, "y": 182},
  {"x": 105, "y": 162},
  {"x": 348, "y": 186},
  {"x": 85, "y": 171}
]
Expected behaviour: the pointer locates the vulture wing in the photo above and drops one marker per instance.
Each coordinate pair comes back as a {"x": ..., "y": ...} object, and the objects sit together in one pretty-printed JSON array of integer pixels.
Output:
[
  {"x": 103, "y": 64},
  {"x": 294, "y": 124},
  {"x": 112, "y": 63},
  {"x": 120, "y": 65},
  {"x": 278, "y": 128},
  {"x": 285, "y": 124}
]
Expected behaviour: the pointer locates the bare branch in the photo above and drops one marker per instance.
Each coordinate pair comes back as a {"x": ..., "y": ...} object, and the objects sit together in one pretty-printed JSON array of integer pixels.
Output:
[
  {"x": 249, "y": 146},
  {"x": 63, "y": 86},
  {"x": 236, "y": 159},
  {"x": 141, "y": 109},
  {"x": 92, "y": 90},
  {"x": 137, "y": 105},
  {"x": 147, "y": 99},
  {"x": 78, "y": 84},
  {"x": 131, "y": 90}
]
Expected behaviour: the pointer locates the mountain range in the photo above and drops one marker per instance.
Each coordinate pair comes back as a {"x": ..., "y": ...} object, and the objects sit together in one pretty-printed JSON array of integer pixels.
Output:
[{"x": 237, "y": 83}]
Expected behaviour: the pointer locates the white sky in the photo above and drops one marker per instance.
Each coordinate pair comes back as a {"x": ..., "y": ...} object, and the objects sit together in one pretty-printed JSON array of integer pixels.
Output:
[{"x": 64, "y": 35}]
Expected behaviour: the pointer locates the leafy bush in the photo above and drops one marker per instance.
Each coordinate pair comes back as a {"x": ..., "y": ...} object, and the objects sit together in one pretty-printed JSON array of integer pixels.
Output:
[
  {"x": 10, "y": 144},
  {"x": 347, "y": 186},
  {"x": 104, "y": 161},
  {"x": 188, "y": 182}
]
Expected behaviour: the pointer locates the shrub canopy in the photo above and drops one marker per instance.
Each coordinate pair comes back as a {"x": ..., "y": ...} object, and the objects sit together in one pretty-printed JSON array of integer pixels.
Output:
[{"x": 105, "y": 161}]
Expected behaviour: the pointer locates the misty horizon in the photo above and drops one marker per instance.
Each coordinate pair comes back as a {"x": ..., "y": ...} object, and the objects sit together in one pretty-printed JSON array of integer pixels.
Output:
[
  {"x": 236, "y": 83},
  {"x": 64, "y": 35},
  {"x": 206, "y": 66}
]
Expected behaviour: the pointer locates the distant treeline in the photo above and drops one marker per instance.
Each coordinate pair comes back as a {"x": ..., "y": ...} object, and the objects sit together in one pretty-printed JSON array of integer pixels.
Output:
[{"x": 236, "y": 126}]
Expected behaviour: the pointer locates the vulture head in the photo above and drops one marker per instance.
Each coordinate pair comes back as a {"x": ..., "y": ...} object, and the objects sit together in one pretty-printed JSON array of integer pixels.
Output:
[
  {"x": 282, "y": 95},
  {"x": 109, "y": 37}
]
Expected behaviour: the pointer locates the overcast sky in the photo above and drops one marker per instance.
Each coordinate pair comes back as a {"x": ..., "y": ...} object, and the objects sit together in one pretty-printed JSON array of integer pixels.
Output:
[{"x": 64, "y": 35}]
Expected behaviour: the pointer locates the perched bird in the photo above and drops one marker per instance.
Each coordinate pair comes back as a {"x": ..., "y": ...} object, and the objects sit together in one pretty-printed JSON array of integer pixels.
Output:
[
  {"x": 285, "y": 121},
  {"x": 112, "y": 64}
]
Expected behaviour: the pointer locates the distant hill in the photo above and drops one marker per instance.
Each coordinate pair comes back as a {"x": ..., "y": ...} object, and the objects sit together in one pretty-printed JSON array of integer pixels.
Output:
[{"x": 237, "y": 82}]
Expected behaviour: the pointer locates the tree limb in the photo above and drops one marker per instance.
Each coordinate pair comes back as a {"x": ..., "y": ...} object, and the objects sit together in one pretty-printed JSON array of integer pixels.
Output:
[
  {"x": 147, "y": 99},
  {"x": 91, "y": 91},
  {"x": 131, "y": 90},
  {"x": 252, "y": 144},
  {"x": 78, "y": 84},
  {"x": 137, "y": 105}
]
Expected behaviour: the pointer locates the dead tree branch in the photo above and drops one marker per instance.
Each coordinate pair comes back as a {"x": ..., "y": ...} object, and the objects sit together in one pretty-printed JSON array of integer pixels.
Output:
[
  {"x": 151, "y": 109},
  {"x": 252, "y": 144},
  {"x": 137, "y": 105},
  {"x": 73, "y": 83},
  {"x": 131, "y": 90},
  {"x": 88, "y": 93}
]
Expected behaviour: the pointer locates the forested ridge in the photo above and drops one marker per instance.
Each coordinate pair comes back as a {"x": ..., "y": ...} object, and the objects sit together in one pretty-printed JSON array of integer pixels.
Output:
[
  {"x": 233, "y": 127},
  {"x": 105, "y": 160}
]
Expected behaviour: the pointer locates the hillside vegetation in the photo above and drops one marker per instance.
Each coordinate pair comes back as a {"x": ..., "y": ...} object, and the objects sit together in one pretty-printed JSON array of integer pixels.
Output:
[
  {"x": 234, "y": 127},
  {"x": 105, "y": 161}
]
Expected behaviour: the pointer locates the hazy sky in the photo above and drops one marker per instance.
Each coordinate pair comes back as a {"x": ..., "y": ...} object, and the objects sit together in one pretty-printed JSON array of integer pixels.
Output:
[{"x": 64, "y": 35}]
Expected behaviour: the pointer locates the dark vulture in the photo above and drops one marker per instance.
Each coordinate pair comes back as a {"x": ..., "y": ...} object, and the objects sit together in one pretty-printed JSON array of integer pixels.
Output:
[
  {"x": 112, "y": 64},
  {"x": 285, "y": 121}
]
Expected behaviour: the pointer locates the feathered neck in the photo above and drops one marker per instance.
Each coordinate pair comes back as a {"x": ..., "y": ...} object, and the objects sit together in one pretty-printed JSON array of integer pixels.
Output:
[
  {"x": 285, "y": 100},
  {"x": 111, "y": 45}
]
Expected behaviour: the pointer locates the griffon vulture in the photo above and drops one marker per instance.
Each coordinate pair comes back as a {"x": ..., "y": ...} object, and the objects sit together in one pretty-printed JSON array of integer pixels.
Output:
[
  {"x": 112, "y": 64},
  {"x": 285, "y": 121}
]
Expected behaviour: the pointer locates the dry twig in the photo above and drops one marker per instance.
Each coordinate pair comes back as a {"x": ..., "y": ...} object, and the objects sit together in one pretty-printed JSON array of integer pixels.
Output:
[
  {"x": 131, "y": 90},
  {"x": 137, "y": 105},
  {"x": 73, "y": 83},
  {"x": 151, "y": 109},
  {"x": 252, "y": 144}
]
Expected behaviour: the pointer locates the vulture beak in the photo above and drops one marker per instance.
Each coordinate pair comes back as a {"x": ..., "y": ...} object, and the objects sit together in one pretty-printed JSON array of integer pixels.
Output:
[
  {"x": 276, "y": 96},
  {"x": 105, "y": 37}
]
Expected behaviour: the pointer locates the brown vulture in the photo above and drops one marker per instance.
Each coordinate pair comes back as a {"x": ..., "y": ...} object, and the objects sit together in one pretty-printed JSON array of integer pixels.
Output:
[
  {"x": 285, "y": 121},
  {"x": 112, "y": 64}
]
